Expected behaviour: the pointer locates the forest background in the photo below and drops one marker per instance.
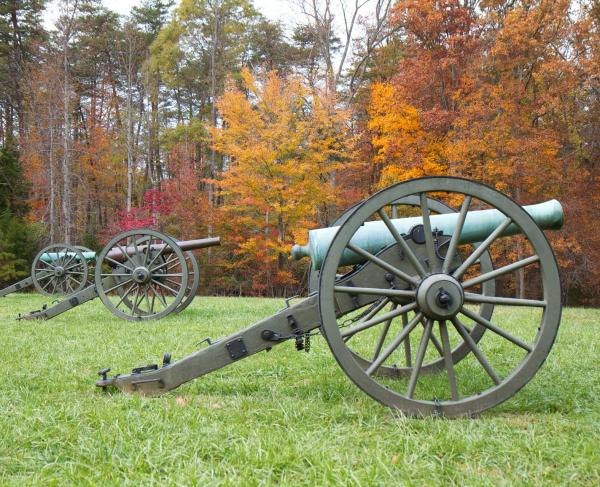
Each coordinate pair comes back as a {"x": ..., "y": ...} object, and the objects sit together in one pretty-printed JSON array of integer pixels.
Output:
[{"x": 203, "y": 117}]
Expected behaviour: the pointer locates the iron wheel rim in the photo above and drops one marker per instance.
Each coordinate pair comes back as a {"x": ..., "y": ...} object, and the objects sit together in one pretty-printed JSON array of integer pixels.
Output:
[{"x": 542, "y": 342}]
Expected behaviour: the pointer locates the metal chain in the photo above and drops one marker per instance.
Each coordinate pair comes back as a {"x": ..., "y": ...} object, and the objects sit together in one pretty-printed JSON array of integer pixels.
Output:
[{"x": 351, "y": 321}]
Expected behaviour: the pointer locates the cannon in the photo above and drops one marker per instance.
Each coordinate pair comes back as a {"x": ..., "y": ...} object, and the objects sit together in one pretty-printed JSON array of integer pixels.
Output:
[
  {"x": 139, "y": 275},
  {"x": 407, "y": 301},
  {"x": 57, "y": 269}
]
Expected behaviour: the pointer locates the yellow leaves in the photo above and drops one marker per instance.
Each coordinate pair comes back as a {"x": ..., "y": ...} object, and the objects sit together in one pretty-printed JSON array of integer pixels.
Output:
[
  {"x": 404, "y": 148},
  {"x": 284, "y": 144}
]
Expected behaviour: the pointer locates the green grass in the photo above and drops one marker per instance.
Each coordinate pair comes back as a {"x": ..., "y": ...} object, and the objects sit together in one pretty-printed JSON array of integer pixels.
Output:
[{"x": 278, "y": 418}]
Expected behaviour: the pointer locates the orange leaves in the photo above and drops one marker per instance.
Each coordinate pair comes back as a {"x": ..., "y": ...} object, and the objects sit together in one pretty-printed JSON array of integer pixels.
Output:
[
  {"x": 404, "y": 148},
  {"x": 284, "y": 145},
  {"x": 502, "y": 94}
]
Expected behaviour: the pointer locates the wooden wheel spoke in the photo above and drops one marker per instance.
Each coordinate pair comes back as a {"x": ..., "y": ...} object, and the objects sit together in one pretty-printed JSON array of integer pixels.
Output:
[
  {"x": 125, "y": 294},
  {"x": 499, "y": 331},
  {"x": 158, "y": 293},
  {"x": 72, "y": 257},
  {"x": 72, "y": 279},
  {"x": 174, "y": 261},
  {"x": 402, "y": 243},
  {"x": 383, "y": 264},
  {"x": 376, "y": 309},
  {"x": 395, "y": 343},
  {"x": 481, "y": 298},
  {"x": 460, "y": 222},
  {"x": 383, "y": 335},
  {"x": 164, "y": 264},
  {"x": 164, "y": 286},
  {"x": 147, "y": 301},
  {"x": 69, "y": 286},
  {"x": 160, "y": 252},
  {"x": 109, "y": 290},
  {"x": 135, "y": 300},
  {"x": 406, "y": 341},
  {"x": 174, "y": 282},
  {"x": 74, "y": 266},
  {"x": 433, "y": 339},
  {"x": 500, "y": 271},
  {"x": 153, "y": 299},
  {"x": 392, "y": 293},
  {"x": 412, "y": 382},
  {"x": 448, "y": 362},
  {"x": 126, "y": 255},
  {"x": 47, "y": 284},
  {"x": 476, "y": 351},
  {"x": 117, "y": 264},
  {"x": 469, "y": 261},
  {"x": 380, "y": 319},
  {"x": 47, "y": 263}
]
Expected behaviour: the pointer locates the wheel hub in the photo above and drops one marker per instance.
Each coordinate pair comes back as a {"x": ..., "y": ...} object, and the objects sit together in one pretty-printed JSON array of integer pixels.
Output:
[
  {"x": 141, "y": 275},
  {"x": 59, "y": 271},
  {"x": 440, "y": 296}
]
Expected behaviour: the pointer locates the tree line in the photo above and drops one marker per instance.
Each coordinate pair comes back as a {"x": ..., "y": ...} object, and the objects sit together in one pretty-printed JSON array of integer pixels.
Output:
[{"x": 203, "y": 117}]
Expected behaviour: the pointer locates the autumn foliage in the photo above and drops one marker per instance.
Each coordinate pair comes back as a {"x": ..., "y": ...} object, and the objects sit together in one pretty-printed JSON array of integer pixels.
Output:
[
  {"x": 209, "y": 120},
  {"x": 498, "y": 94},
  {"x": 283, "y": 145}
]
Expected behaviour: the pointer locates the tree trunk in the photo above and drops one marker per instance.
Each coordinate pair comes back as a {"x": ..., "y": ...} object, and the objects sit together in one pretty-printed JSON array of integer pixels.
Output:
[
  {"x": 66, "y": 162},
  {"x": 16, "y": 75},
  {"x": 51, "y": 209}
]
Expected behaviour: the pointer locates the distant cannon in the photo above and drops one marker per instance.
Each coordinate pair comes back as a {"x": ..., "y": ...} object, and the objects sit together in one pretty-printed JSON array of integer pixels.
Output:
[
  {"x": 406, "y": 305},
  {"x": 139, "y": 275},
  {"x": 57, "y": 269}
]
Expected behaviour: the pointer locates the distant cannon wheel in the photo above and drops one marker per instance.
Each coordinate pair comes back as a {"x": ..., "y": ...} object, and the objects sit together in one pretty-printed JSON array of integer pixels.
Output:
[
  {"x": 141, "y": 275},
  {"x": 59, "y": 269},
  {"x": 444, "y": 301},
  {"x": 91, "y": 262},
  {"x": 193, "y": 280}
]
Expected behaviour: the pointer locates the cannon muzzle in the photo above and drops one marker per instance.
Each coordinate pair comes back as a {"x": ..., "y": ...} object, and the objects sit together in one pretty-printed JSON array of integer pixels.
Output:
[
  {"x": 374, "y": 236},
  {"x": 117, "y": 255}
]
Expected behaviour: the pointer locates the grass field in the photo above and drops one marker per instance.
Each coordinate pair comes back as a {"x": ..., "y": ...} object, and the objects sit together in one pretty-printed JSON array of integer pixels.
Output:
[{"x": 283, "y": 418}]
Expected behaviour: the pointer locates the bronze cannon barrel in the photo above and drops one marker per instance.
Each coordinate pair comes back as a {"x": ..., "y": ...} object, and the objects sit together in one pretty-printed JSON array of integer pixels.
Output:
[
  {"x": 374, "y": 235},
  {"x": 185, "y": 245}
]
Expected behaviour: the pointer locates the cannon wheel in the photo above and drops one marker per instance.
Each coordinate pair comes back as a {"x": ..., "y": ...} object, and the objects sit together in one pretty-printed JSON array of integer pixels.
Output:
[
  {"x": 91, "y": 263},
  {"x": 68, "y": 274},
  {"x": 144, "y": 286},
  {"x": 458, "y": 352},
  {"x": 192, "y": 285},
  {"x": 502, "y": 362},
  {"x": 193, "y": 281}
]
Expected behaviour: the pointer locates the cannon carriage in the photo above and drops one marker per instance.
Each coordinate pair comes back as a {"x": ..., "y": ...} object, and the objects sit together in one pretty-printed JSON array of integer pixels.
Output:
[
  {"x": 409, "y": 305},
  {"x": 139, "y": 275}
]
